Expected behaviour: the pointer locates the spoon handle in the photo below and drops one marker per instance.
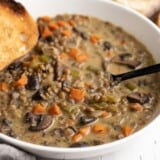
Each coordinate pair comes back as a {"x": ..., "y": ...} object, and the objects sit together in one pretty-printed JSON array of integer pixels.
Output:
[{"x": 137, "y": 73}]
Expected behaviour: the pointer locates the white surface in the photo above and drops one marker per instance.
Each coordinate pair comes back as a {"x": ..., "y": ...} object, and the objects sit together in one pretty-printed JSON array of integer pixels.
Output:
[{"x": 135, "y": 145}]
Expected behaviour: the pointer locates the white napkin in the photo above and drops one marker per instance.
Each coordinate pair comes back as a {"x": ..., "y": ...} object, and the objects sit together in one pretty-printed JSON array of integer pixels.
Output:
[{"x": 8, "y": 152}]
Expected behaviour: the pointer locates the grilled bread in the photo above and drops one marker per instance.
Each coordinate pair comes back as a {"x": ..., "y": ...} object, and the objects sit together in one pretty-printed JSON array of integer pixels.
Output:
[{"x": 18, "y": 32}]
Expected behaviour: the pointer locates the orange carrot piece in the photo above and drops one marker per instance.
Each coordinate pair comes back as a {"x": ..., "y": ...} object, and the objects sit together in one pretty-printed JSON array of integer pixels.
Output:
[
  {"x": 53, "y": 26},
  {"x": 21, "y": 82},
  {"x": 71, "y": 22},
  {"x": 127, "y": 130},
  {"x": 77, "y": 55},
  {"x": 39, "y": 109},
  {"x": 55, "y": 110},
  {"x": 63, "y": 56},
  {"x": 81, "y": 58},
  {"x": 94, "y": 39},
  {"x": 99, "y": 128},
  {"x": 136, "y": 107},
  {"x": 74, "y": 52},
  {"x": 85, "y": 130},
  {"x": 77, "y": 94},
  {"x": 66, "y": 33},
  {"x": 62, "y": 23},
  {"x": 106, "y": 114},
  {"x": 77, "y": 137},
  {"x": 45, "y": 18},
  {"x": 46, "y": 32},
  {"x": 4, "y": 86}
]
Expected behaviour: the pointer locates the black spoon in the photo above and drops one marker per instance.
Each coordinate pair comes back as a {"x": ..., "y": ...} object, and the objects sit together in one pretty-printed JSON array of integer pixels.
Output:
[{"x": 115, "y": 79}]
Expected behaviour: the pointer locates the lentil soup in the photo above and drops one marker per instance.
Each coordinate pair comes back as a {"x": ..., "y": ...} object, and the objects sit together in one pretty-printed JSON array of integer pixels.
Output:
[{"x": 60, "y": 95}]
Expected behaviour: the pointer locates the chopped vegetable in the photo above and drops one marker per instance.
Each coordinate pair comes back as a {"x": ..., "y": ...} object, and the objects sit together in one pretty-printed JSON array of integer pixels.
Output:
[
  {"x": 21, "y": 82},
  {"x": 72, "y": 22},
  {"x": 44, "y": 58},
  {"x": 77, "y": 137},
  {"x": 66, "y": 33},
  {"x": 62, "y": 23},
  {"x": 74, "y": 52},
  {"x": 46, "y": 32},
  {"x": 99, "y": 128},
  {"x": 4, "y": 86},
  {"x": 136, "y": 107},
  {"x": 53, "y": 26},
  {"x": 77, "y": 55},
  {"x": 131, "y": 86},
  {"x": 55, "y": 110},
  {"x": 39, "y": 109},
  {"x": 94, "y": 38},
  {"x": 77, "y": 94},
  {"x": 81, "y": 57},
  {"x": 127, "y": 130},
  {"x": 85, "y": 130}
]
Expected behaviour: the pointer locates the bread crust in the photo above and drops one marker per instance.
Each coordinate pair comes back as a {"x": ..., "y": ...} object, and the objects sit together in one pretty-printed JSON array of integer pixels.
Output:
[{"x": 18, "y": 32}]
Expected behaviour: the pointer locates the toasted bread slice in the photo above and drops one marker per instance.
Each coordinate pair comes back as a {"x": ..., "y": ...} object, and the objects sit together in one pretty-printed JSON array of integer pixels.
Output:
[
  {"x": 18, "y": 32},
  {"x": 146, "y": 7}
]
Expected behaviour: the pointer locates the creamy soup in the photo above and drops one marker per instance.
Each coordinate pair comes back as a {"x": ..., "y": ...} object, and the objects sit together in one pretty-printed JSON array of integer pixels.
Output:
[{"x": 60, "y": 95}]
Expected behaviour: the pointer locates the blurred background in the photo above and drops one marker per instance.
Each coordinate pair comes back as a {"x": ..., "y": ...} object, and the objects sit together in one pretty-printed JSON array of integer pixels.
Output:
[{"x": 149, "y": 8}]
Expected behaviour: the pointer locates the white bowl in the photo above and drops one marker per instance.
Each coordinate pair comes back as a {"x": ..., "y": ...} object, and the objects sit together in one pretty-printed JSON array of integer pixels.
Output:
[{"x": 130, "y": 21}]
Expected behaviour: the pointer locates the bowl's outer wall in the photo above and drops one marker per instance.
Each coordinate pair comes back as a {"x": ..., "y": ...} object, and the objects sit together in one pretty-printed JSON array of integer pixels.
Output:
[{"x": 134, "y": 24}]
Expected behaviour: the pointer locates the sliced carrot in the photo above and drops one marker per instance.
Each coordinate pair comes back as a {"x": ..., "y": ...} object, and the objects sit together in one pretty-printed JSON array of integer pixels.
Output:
[
  {"x": 77, "y": 137},
  {"x": 106, "y": 114},
  {"x": 99, "y": 128},
  {"x": 136, "y": 107},
  {"x": 77, "y": 55},
  {"x": 81, "y": 58},
  {"x": 46, "y": 32},
  {"x": 66, "y": 33},
  {"x": 74, "y": 52},
  {"x": 63, "y": 56},
  {"x": 77, "y": 94},
  {"x": 55, "y": 110},
  {"x": 4, "y": 86},
  {"x": 45, "y": 18},
  {"x": 85, "y": 130},
  {"x": 39, "y": 109},
  {"x": 53, "y": 26},
  {"x": 22, "y": 81},
  {"x": 94, "y": 38},
  {"x": 72, "y": 22},
  {"x": 62, "y": 23},
  {"x": 127, "y": 130}
]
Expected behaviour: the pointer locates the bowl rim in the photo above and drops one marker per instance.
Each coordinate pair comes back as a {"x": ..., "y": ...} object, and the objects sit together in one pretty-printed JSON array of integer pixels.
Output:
[{"x": 106, "y": 146}]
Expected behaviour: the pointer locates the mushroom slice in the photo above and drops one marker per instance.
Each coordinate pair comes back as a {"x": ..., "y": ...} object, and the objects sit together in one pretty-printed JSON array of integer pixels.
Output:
[
  {"x": 126, "y": 59},
  {"x": 137, "y": 97},
  {"x": 87, "y": 120},
  {"x": 39, "y": 122}
]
